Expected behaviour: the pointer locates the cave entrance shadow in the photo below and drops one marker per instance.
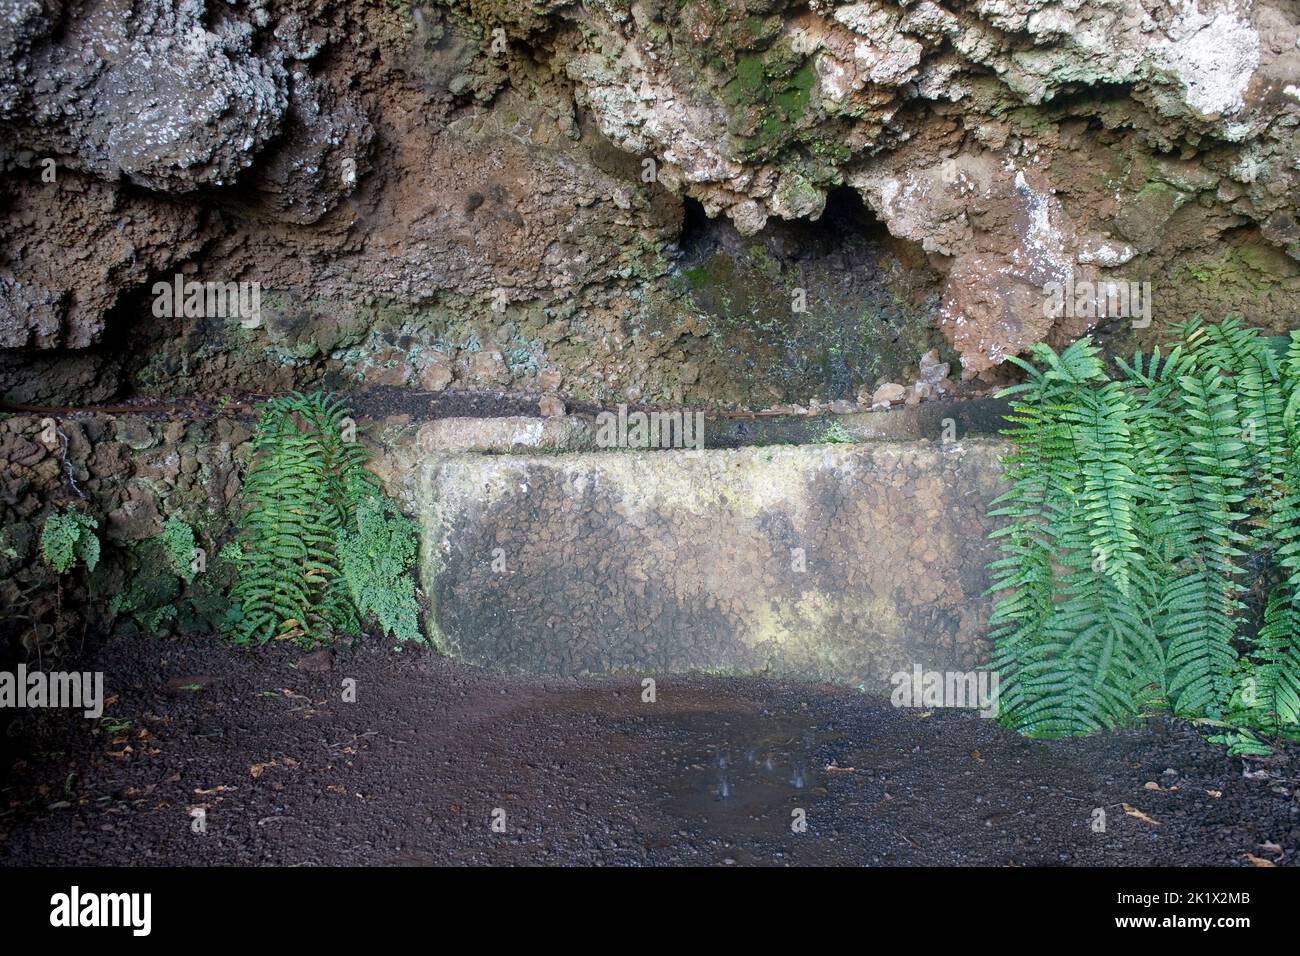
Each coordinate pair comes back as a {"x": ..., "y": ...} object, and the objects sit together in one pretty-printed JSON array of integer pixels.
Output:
[{"x": 817, "y": 307}]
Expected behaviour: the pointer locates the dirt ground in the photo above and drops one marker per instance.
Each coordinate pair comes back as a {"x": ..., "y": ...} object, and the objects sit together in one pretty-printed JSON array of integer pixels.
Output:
[{"x": 716, "y": 771}]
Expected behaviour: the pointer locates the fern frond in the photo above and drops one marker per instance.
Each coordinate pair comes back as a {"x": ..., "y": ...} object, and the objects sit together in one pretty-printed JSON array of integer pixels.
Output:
[{"x": 301, "y": 573}]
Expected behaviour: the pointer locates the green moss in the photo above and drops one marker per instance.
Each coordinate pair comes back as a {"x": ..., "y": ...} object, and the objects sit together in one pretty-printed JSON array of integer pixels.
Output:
[
  {"x": 833, "y": 433},
  {"x": 795, "y": 192},
  {"x": 1154, "y": 191},
  {"x": 832, "y": 151},
  {"x": 769, "y": 130},
  {"x": 1252, "y": 269},
  {"x": 697, "y": 276},
  {"x": 759, "y": 31},
  {"x": 749, "y": 85},
  {"x": 1031, "y": 121},
  {"x": 796, "y": 96},
  {"x": 768, "y": 104},
  {"x": 166, "y": 588}
]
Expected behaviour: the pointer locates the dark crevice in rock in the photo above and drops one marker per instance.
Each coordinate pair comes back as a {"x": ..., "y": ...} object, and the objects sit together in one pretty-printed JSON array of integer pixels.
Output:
[{"x": 825, "y": 306}]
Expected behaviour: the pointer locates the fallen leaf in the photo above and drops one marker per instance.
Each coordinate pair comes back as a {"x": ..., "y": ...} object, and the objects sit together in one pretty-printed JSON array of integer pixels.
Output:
[
  {"x": 1215, "y": 793},
  {"x": 1270, "y": 847},
  {"x": 977, "y": 756},
  {"x": 189, "y": 683},
  {"x": 833, "y": 767},
  {"x": 1135, "y": 812},
  {"x": 257, "y": 769},
  {"x": 1259, "y": 861}
]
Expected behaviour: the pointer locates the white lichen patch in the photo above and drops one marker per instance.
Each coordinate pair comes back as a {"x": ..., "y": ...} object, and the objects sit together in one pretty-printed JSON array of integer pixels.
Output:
[
  {"x": 1041, "y": 243},
  {"x": 1106, "y": 254},
  {"x": 1214, "y": 55}
]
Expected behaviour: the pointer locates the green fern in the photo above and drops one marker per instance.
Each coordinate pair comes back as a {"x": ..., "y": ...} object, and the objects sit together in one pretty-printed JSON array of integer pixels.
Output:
[
  {"x": 1042, "y": 485},
  {"x": 1251, "y": 367},
  {"x": 180, "y": 547},
  {"x": 1199, "y": 601},
  {"x": 304, "y": 491},
  {"x": 1072, "y": 645},
  {"x": 1133, "y": 507},
  {"x": 1275, "y": 654},
  {"x": 376, "y": 558},
  {"x": 67, "y": 537}
]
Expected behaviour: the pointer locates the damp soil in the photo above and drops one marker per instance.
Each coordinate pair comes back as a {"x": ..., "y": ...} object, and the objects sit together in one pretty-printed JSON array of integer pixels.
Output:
[{"x": 714, "y": 772}]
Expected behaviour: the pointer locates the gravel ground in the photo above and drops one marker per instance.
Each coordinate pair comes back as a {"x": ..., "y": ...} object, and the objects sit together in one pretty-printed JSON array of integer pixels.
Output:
[{"x": 437, "y": 763}]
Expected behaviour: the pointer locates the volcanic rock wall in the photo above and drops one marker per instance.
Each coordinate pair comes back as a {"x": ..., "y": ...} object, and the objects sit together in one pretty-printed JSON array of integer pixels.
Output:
[
  {"x": 488, "y": 194},
  {"x": 129, "y": 473}
]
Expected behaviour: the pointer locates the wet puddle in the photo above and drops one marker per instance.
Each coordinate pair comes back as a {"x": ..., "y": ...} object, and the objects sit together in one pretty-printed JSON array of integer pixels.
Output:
[{"x": 750, "y": 778}]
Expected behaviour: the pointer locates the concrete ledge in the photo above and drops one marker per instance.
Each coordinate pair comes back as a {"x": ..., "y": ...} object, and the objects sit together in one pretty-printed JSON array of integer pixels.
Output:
[
  {"x": 516, "y": 433},
  {"x": 834, "y": 562},
  {"x": 521, "y": 434}
]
